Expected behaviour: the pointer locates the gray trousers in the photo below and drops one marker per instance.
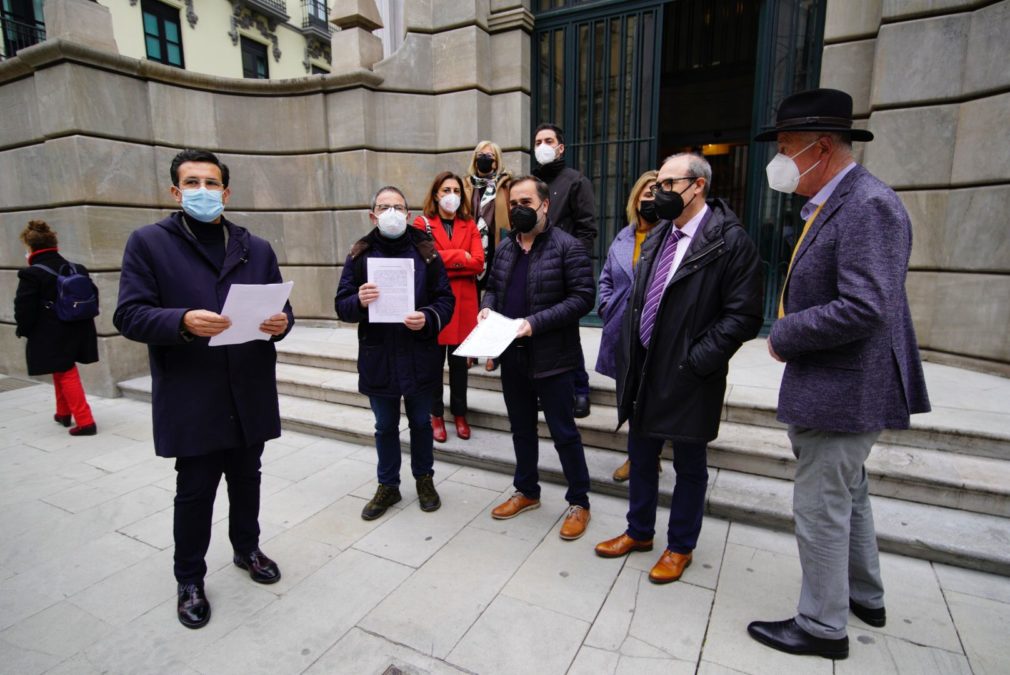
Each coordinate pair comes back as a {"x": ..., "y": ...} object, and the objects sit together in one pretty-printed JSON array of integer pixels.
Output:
[{"x": 834, "y": 529}]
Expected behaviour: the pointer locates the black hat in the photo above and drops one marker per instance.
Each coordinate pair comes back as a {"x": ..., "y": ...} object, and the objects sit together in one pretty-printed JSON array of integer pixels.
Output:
[{"x": 816, "y": 110}]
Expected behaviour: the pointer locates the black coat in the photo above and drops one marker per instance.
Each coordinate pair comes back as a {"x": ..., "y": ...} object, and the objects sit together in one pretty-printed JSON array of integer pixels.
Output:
[
  {"x": 54, "y": 346},
  {"x": 392, "y": 359},
  {"x": 204, "y": 398},
  {"x": 559, "y": 291},
  {"x": 572, "y": 202},
  {"x": 713, "y": 304}
]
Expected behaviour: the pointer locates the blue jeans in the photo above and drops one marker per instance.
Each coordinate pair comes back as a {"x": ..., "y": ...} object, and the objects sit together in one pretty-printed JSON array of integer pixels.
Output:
[
  {"x": 555, "y": 393},
  {"x": 387, "y": 435},
  {"x": 688, "y": 505}
]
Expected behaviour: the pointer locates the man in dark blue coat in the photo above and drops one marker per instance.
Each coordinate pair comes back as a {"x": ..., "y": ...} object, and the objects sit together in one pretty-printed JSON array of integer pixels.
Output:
[
  {"x": 542, "y": 275},
  {"x": 844, "y": 331},
  {"x": 398, "y": 359},
  {"x": 213, "y": 407}
]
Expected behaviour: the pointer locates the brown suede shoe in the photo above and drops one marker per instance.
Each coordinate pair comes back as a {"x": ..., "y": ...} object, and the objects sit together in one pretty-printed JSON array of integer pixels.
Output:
[
  {"x": 670, "y": 567},
  {"x": 513, "y": 506},
  {"x": 575, "y": 523},
  {"x": 623, "y": 472},
  {"x": 621, "y": 545}
]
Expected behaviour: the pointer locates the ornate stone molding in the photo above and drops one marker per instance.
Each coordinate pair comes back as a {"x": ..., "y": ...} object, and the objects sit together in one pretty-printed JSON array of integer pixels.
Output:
[
  {"x": 316, "y": 49},
  {"x": 243, "y": 17}
]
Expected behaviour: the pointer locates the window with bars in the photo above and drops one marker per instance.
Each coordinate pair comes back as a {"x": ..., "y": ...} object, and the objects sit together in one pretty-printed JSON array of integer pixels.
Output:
[{"x": 162, "y": 33}]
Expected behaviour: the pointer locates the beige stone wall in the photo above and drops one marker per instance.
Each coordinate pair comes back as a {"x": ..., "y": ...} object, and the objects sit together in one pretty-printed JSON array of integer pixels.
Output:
[
  {"x": 88, "y": 135},
  {"x": 930, "y": 79}
]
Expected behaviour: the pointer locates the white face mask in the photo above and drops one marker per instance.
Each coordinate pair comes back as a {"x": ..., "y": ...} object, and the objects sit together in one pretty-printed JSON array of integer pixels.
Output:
[
  {"x": 545, "y": 154},
  {"x": 783, "y": 174},
  {"x": 449, "y": 202},
  {"x": 392, "y": 223}
]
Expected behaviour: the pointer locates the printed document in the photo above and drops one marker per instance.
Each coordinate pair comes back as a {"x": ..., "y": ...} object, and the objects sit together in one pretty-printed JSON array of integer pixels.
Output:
[
  {"x": 490, "y": 338},
  {"x": 249, "y": 305},
  {"x": 395, "y": 279}
]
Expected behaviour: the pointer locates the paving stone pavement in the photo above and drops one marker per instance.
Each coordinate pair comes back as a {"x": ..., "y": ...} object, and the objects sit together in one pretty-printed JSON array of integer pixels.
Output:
[{"x": 86, "y": 576}]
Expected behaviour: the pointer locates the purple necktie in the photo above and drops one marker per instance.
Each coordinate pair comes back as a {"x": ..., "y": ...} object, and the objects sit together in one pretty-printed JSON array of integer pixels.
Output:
[{"x": 658, "y": 285}]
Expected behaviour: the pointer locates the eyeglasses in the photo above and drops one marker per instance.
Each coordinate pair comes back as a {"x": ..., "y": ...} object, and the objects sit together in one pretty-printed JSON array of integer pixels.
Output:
[
  {"x": 667, "y": 185},
  {"x": 209, "y": 183},
  {"x": 382, "y": 208}
]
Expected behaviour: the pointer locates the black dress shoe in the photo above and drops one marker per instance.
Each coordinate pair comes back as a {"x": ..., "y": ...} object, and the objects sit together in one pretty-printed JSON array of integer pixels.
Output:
[
  {"x": 581, "y": 406},
  {"x": 65, "y": 420},
  {"x": 868, "y": 615},
  {"x": 193, "y": 609},
  {"x": 262, "y": 569},
  {"x": 86, "y": 430},
  {"x": 786, "y": 636}
]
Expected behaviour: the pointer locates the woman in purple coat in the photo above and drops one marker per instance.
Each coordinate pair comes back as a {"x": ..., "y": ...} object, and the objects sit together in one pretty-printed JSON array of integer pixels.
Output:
[{"x": 618, "y": 274}]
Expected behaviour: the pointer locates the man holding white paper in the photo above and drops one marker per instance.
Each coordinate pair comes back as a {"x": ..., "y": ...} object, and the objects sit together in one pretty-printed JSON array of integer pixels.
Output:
[
  {"x": 398, "y": 352},
  {"x": 213, "y": 407}
]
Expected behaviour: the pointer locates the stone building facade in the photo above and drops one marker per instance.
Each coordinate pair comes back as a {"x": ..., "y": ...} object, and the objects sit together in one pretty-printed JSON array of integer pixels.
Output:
[{"x": 87, "y": 134}]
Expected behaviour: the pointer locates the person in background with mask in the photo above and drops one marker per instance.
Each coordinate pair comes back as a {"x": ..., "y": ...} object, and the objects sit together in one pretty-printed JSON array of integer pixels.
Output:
[
  {"x": 573, "y": 210},
  {"x": 446, "y": 219},
  {"x": 398, "y": 360},
  {"x": 486, "y": 190},
  {"x": 617, "y": 276},
  {"x": 844, "y": 331},
  {"x": 697, "y": 297},
  {"x": 543, "y": 276},
  {"x": 213, "y": 407}
]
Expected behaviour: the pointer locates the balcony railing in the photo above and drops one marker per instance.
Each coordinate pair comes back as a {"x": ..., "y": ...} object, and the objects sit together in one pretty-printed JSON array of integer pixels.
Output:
[
  {"x": 315, "y": 18},
  {"x": 272, "y": 9},
  {"x": 18, "y": 34}
]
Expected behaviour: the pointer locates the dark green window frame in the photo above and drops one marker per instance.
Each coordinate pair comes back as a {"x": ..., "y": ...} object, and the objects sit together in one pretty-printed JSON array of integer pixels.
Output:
[
  {"x": 255, "y": 64},
  {"x": 162, "y": 33}
]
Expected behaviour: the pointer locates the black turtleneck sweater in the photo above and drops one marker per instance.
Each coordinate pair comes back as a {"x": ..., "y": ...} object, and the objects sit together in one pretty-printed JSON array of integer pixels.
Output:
[{"x": 210, "y": 237}]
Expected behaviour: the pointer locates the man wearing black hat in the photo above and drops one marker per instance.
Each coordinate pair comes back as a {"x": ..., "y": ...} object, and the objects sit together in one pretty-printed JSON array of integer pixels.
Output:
[{"x": 845, "y": 333}]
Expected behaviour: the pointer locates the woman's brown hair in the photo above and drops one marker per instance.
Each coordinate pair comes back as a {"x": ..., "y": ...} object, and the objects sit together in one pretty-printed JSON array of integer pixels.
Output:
[
  {"x": 38, "y": 236},
  {"x": 431, "y": 200}
]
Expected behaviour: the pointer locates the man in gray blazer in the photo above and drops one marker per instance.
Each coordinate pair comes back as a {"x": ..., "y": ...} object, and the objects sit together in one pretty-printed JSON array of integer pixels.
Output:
[{"x": 852, "y": 364}]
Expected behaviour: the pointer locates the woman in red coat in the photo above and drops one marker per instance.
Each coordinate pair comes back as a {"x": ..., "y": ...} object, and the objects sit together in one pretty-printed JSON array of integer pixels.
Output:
[{"x": 447, "y": 219}]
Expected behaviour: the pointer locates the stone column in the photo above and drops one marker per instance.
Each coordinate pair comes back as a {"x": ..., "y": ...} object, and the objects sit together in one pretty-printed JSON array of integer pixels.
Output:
[
  {"x": 81, "y": 21},
  {"x": 354, "y": 46}
]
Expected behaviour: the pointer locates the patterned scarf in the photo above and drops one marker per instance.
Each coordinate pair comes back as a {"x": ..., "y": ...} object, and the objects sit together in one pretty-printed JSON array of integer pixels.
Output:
[{"x": 485, "y": 214}]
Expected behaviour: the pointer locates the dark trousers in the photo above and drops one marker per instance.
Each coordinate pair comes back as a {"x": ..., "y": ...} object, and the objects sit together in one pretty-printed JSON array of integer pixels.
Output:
[
  {"x": 688, "y": 505},
  {"x": 521, "y": 392},
  {"x": 580, "y": 378},
  {"x": 457, "y": 385},
  {"x": 196, "y": 484},
  {"x": 387, "y": 435}
]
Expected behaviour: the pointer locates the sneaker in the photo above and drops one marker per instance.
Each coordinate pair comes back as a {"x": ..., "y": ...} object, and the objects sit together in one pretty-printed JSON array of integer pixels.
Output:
[
  {"x": 513, "y": 506},
  {"x": 385, "y": 496},
  {"x": 575, "y": 523},
  {"x": 427, "y": 497}
]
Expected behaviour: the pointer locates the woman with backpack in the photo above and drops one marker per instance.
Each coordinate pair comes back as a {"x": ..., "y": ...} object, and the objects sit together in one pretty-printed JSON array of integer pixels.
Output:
[{"x": 55, "y": 345}]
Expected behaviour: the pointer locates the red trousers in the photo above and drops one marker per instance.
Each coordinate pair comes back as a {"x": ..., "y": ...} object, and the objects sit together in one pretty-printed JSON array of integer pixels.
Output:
[{"x": 70, "y": 398}]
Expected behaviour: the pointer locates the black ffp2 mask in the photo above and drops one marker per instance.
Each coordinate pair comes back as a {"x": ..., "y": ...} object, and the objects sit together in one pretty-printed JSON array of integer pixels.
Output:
[
  {"x": 669, "y": 205},
  {"x": 648, "y": 212},
  {"x": 523, "y": 219},
  {"x": 484, "y": 164}
]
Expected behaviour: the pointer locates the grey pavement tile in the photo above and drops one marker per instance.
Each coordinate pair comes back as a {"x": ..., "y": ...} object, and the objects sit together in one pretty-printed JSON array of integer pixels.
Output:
[
  {"x": 25, "y": 517},
  {"x": 303, "y": 499},
  {"x": 290, "y": 634},
  {"x": 983, "y": 626},
  {"x": 138, "y": 430},
  {"x": 154, "y": 530},
  {"x": 654, "y": 608},
  {"x": 297, "y": 557},
  {"x": 411, "y": 536},
  {"x": 268, "y": 484},
  {"x": 133, "y": 506},
  {"x": 755, "y": 585},
  {"x": 122, "y": 458},
  {"x": 531, "y": 525},
  {"x": 490, "y": 480},
  {"x": 361, "y": 653},
  {"x": 25, "y": 661},
  {"x": 513, "y": 636},
  {"x": 101, "y": 442},
  {"x": 309, "y": 459},
  {"x": 876, "y": 653},
  {"x": 432, "y": 609},
  {"x": 567, "y": 576},
  {"x": 81, "y": 497},
  {"x": 610, "y": 627},
  {"x": 709, "y": 668},
  {"x": 915, "y": 605},
  {"x": 51, "y": 538},
  {"x": 637, "y": 648},
  {"x": 60, "y": 631},
  {"x": 131, "y": 592},
  {"x": 295, "y": 439},
  {"x": 593, "y": 661},
  {"x": 635, "y": 665},
  {"x": 157, "y": 643},
  {"x": 19, "y": 601},
  {"x": 706, "y": 560},
  {"x": 340, "y": 524},
  {"x": 971, "y": 582},
  {"x": 764, "y": 539}
]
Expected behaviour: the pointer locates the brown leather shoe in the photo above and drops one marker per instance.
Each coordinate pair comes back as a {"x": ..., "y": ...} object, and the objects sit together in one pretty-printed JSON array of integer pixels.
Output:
[
  {"x": 623, "y": 472},
  {"x": 621, "y": 545},
  {"x": 513, "y": 506},
  {"x": 670, "y": 567},
  {"x": 575, "y": 523},
  {"x": 438, "y": 429},
  {"x": 462, "y": 428}
]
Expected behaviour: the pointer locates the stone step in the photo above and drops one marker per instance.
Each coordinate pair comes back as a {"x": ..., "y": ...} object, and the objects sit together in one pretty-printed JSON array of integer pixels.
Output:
[
  {"x": 952, "y": 536},
  {"x": 977, "y": 484},
  {"x": 744, "y": 404}
]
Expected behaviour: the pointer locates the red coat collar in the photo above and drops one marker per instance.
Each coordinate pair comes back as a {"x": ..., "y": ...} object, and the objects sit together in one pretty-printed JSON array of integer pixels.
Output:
[{"x": 31, "y": 258}]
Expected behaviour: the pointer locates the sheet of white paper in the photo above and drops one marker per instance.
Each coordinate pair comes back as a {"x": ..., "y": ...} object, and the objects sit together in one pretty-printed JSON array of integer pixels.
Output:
[
  {"x": 395, "y": 279},
  {"x": 248, "y": 305},
  {"x": 490, "y": 338}
]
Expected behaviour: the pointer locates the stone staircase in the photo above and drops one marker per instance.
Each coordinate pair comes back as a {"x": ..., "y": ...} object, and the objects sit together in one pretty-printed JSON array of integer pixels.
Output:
[{"x": 941, "y": 490}]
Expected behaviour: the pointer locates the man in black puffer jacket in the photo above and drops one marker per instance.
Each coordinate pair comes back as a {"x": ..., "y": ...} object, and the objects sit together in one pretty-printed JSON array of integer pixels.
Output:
[{"x": 543, "y": 276}]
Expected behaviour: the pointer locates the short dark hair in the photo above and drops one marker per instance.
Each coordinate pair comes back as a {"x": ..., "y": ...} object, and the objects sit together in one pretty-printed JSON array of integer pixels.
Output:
[
  {"x": 543, "y": 192},
  {"x": 553, "y": 127},
  {"x": 388, "y": 188},
  {"x": 205, "y": 156}
]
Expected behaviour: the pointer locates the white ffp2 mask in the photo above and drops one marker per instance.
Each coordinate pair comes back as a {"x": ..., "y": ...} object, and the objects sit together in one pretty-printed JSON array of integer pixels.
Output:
[{"x": 783, "y": 174}]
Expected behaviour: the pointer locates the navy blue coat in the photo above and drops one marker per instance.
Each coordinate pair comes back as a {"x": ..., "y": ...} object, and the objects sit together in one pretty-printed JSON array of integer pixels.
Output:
[
  {"x": 205, "y": 398},
  {"x": 392, "y": 359},
  {"x": 852, "y": 360}
]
